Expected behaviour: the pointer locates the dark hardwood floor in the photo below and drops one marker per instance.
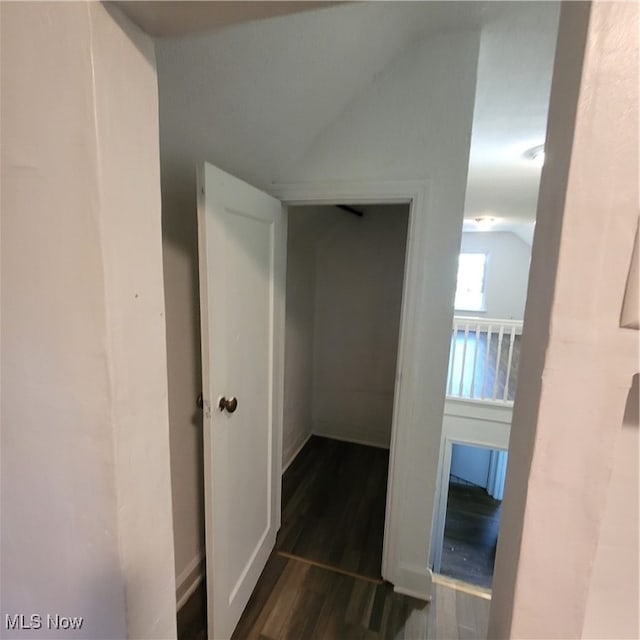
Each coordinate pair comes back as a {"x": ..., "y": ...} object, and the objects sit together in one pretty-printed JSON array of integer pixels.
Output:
[
  {"x": 295, "y": 600},
  {"x": 333, "y": 505},
  {"x": 470, "y": 534},
  {"x": 322, "y": 580},
  {"x": 192, "y": 616}
]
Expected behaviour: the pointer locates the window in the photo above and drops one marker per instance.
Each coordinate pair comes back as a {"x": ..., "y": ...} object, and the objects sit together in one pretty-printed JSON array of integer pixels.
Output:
[{"x": 470, "y": 285}]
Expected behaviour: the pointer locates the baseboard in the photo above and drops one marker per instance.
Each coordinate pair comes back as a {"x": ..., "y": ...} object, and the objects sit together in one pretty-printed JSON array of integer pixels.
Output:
[
  {"x": 362, "y": 441},
  {"x": 418, "y": 595},
  {"x": 459, "y": 585},
  {"x": 294, "y": 455},
  {"x": 189, "y": 580},
  {"x": 413, "y": 580}
]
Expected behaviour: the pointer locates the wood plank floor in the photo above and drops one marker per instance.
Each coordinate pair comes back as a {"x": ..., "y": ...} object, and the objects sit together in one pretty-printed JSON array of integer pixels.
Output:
[
  {"x": 333, "y": 515},
  {"x": 470, "y": 534},
  {"x": 302, "y": 601},
  {"x": 294, "y": 600},
  {"x": 334, "y": 498}
]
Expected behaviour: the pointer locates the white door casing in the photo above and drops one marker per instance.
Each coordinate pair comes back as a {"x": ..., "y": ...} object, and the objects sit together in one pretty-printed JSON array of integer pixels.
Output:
[
  {"x": 241, "y": 243},
  {"x": 468, "y": 422},
  {"x": 408, "y": 519}
]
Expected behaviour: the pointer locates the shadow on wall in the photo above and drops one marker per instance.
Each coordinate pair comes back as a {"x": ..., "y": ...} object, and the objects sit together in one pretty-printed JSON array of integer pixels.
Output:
[
  {"x": 182, "y": 306},
  {"x": 632, "y": 409},
  {"x": 180, "y": 243}
]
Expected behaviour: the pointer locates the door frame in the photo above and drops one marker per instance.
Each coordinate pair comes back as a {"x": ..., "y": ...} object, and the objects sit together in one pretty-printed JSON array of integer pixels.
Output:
[
  {"x": 473, "y": 423},
  {"x": 415, "y": 193}
]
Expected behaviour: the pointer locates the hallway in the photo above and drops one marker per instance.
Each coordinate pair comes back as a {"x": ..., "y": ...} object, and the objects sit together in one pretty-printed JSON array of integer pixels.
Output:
[
  {"x": 323, "y": 579},
  {"x": 333, "y": 506}
]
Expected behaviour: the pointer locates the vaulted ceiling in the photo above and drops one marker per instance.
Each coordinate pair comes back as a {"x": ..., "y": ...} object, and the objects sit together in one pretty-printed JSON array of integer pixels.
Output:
[
  {"x": 325, "y": 57},
  {"x": 161, "y": 18}
]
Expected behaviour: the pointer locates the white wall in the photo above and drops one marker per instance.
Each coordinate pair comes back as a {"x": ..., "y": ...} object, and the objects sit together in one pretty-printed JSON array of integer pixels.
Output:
[
  {"x": 359, "y": 278},
  {"x": 576, "y": 363},
  {"x": 612, "y": 603},
  {"x": 180, "y": 260},
  {"x": 126, "y": 115},
  {"x": 86, "y": 507},
  {"x": 305, "y": 225},
  {"x": 344, "y": 293},
  {"x": 470, "y": 463},
  {"x": 298, "y": 368},
  {"x": 374, "y": 135},
  {"x": 507, "y": 272}
]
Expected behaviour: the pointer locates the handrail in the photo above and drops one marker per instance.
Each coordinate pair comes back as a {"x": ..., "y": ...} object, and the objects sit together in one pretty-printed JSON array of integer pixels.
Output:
[{"x": 474, "y": 320}]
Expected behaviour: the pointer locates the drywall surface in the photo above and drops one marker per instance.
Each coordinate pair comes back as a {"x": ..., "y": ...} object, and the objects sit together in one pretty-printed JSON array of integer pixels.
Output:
[
  {"x": 86, "y": 528},
  {"x": 130, "y": 222},
  {"x": 180, "y": 260},
  {"x": 344, "y": 293},
  {"x": 359, "y": 279},
  {"x": 577, "y": 363},
  {"x": 363, "y": 131},
  {"x": 59, "y": 505},
  {"x": 305, "y": 226},
  {"x": 507, "y": 273},
  {"x": 470, "y": 463},
  {"x": 630, "y": 316},
  {"x": 514, "y": 80},
  {"x": 612, "y": 604}
]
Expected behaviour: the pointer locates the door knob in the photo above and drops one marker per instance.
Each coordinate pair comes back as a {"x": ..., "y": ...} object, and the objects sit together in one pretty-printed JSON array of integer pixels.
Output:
[{"x": 229, "y": 405}]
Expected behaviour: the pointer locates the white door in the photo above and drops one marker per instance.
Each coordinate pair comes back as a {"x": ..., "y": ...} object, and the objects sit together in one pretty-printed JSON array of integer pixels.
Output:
[{"x": 241, "y": 240}]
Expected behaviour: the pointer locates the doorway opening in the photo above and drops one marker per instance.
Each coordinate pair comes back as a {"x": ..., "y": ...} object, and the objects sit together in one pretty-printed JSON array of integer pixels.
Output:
[
  {"x": 474, "y": 507},
  {"x": 230, "y": 595},
  {"x": 484, "y": 357},
  {"x": 345, "y": 274}
]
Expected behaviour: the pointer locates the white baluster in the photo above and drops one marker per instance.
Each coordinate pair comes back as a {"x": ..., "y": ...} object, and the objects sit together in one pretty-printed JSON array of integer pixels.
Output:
[
  {"x": 464, "y": 357},
  {"x": 454, "y": 334},
  {"x": 512, "y": 339},
  {"x": 485, "y": 371},
  {"x": 475, "y": 358},
  {"x": 497, "y": 372}
]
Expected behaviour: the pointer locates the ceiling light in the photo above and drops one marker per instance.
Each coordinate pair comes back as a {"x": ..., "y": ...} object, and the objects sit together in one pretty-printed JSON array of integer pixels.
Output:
[
  {"x": 536, "y": 154},
  {"x": 484, "y": 223}
]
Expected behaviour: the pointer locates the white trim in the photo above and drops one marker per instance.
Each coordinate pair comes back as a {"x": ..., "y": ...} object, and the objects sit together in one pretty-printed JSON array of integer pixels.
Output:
[
  {"x": 476, "y": 409},
  {"x": 286, "y": 465},
  {"x": 485, "y": 322},
  {"x": 189, "y": 580},
  {"x": 497, "y": 474},
  {"x": 362, "y": 441},
  {"x": 479, "y": 403},
  {"x": 460, "y": 585},
  {"x": 379, "y": 192},
  {"x": 418, "y": 595},
  {"x": 414, "y": 580},
  {"x": 482, "y": 309},
  {"x": 294, "y": 455},
  {"x": 279, "y": 327},
  {"x": 416, "y": 194},
  {"x": 462, "y": 424}
]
